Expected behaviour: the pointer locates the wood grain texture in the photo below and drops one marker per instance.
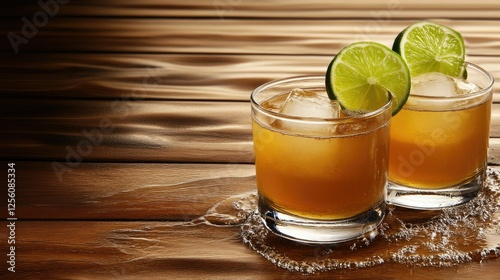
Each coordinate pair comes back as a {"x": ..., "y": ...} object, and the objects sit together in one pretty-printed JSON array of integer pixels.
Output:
[
  {"x": 162, "y": 77},
  {"x": 123, "y": 130},
  {"x": 136, "y": 131},
  {"x": 229, "y": 36},
  {"x": 129, "y": 191},
  {"x": 125, "y": 191},
  {"x": 165, "y": 250},
  {"x": 378, "y": 10}
]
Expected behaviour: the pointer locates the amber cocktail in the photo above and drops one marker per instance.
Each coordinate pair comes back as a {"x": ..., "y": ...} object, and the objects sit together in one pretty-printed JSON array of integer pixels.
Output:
[
  {"x": 321, "y": 174},
  {"x": 439, "y": 143}
]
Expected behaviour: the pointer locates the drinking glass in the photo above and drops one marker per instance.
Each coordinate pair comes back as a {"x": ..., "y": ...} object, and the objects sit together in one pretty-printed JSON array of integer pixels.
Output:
[
  {"x": 319, "y": 180},
  {"x": 439, "y": 146}
]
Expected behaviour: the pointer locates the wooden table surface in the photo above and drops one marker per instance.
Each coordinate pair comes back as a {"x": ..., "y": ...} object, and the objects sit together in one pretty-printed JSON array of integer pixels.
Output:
[{"x": 127, "y": 119}]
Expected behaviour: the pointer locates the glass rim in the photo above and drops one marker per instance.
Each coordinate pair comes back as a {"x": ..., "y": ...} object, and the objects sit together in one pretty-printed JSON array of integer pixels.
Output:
[
  {"x": 483, "y": 91},
  {"x": 256, "y": 105}
]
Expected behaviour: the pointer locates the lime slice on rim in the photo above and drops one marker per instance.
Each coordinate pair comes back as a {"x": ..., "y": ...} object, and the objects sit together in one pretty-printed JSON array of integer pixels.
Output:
[
  {"x": 363, "y": 74},
  {"x": 431, "y": 47}
]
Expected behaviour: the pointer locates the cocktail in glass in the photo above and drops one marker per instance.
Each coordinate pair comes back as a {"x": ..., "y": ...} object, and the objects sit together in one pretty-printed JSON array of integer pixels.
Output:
[
  {"x": 439, "y": 144},
  {"x": 321, "y": 174}
]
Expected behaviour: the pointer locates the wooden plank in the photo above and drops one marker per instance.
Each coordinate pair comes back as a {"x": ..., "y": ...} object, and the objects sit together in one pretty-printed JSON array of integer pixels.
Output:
[
  {"x": 125, "y": 191},
  {"x": 113, "y": 249},
  {"x": 156, "y": 76},
  {"x": 173, "y": 77},
  {"x": 378, "y": 10},
  {"x": 121, "y": 130},
  {"x": 135, "y": 131},
  {"x": 159, "y": 250},
  {"x": 139, "y": 35}
]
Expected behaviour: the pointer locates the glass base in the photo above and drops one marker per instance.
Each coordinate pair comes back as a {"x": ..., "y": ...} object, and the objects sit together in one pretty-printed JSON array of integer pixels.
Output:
[
  {"x": 435, "y": 199},
  {"x": 310, "y": 231}
]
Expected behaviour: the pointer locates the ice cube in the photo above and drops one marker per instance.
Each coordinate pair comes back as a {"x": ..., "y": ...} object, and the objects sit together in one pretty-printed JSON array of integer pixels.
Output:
[
  {"x": 303, "y": 103},
  {"x": 308, "y": 104},
  {"x": 438, "y": 84},
  {"x": 464, "y": 86},
  {"x": 433, "y": 84}
]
